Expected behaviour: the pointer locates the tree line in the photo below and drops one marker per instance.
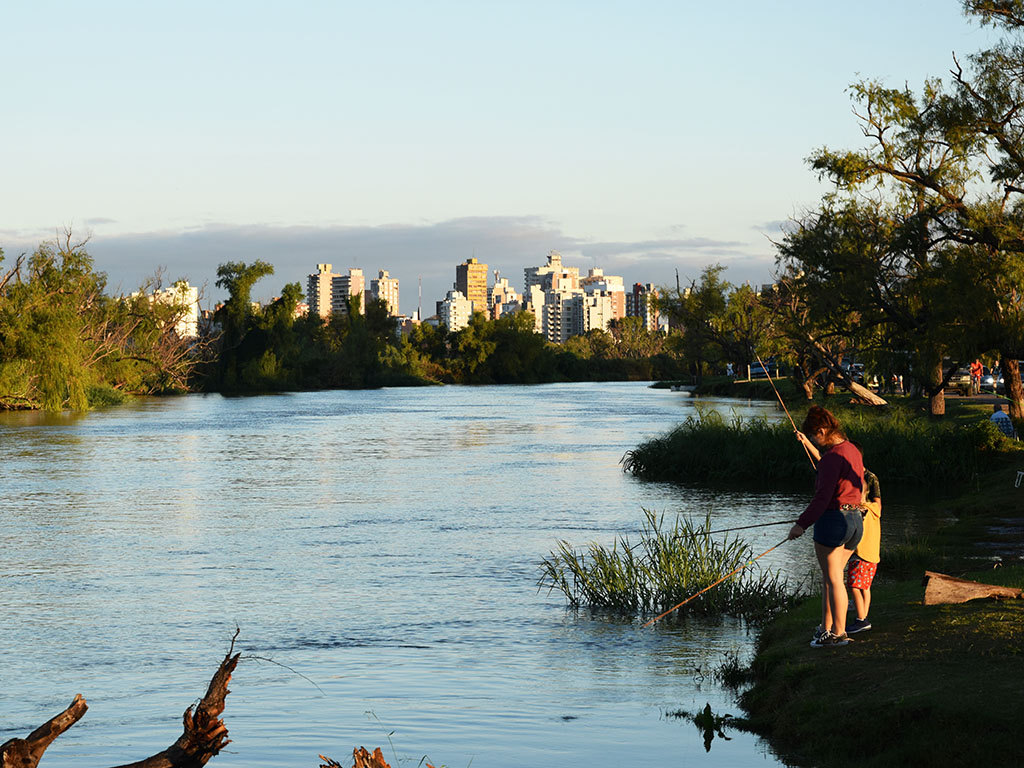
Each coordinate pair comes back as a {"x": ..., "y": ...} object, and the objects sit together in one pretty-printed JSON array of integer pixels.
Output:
[
  {"x": 270, "y": 348},
  {"x": 66, "y": 344}
]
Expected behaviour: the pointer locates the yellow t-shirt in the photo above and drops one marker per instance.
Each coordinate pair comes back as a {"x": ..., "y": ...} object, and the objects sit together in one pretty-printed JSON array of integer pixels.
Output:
[{"x": 870, "y": 542}]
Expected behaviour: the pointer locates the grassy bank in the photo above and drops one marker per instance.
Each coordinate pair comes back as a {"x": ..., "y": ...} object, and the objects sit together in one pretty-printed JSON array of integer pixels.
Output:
[
  {"x": 927, "y": 684},
  {"x": 713, "y": 447}
]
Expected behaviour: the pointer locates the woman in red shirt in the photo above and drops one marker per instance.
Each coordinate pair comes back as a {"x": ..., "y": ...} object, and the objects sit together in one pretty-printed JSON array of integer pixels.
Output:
[{"x": 835, "y": 514}]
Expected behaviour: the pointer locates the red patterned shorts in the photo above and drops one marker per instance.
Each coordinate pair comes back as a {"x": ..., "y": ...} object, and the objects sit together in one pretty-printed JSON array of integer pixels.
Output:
[{"x": 860, "y": 574}]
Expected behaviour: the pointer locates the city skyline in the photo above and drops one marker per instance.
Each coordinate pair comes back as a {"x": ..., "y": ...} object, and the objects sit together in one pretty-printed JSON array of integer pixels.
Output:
[{"x": 642, "y": 139}]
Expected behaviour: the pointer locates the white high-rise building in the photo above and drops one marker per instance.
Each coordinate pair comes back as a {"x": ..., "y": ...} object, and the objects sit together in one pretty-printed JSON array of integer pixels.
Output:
[
  {"x": 598, "y": 282},
  {"x": 455, "y": 310},
  {"x": 318, "y": 290},
  {"x": 385, "y": 288},
  {"x": 186, "y": 299},
  {"x": 344, "y": 287}
]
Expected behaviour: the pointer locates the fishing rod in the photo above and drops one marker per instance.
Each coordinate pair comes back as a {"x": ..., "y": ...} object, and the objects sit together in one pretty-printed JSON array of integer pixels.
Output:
[
  {"x": 698, "y": 594},
  {"x": 704, "y": 533},
  {"x": 806, "y": 449},
  {"x": 745, "y": 527}
]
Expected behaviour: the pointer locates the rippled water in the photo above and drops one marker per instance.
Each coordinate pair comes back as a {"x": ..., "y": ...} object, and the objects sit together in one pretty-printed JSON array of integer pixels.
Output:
[{"x": 379, "y": 552}]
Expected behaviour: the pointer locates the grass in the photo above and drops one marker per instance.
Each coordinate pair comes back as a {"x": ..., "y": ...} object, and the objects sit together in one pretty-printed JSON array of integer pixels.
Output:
[
  {"x": 926, "y": 685},
  {"x": 667, "y": 565},
  {"x": 710, "y": 448}
]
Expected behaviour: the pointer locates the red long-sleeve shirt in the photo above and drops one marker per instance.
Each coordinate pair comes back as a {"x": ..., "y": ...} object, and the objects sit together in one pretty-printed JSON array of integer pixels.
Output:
[{"x": 840, "y": 481}]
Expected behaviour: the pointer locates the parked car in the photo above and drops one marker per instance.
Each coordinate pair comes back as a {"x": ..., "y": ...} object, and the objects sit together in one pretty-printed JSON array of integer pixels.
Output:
[
  {"x": 960, "y": 381},
  {"x": 758, "y": 371}
]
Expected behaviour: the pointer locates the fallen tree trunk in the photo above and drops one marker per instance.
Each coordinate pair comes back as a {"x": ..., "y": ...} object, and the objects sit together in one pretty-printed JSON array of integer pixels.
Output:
[
  {"x": 942, "y": 589},
  {"x": 203, "y": 737}
]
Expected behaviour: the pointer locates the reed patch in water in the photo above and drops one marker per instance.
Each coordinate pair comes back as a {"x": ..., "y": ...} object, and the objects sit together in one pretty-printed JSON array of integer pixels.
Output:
[{"x": 668, "y": 564}]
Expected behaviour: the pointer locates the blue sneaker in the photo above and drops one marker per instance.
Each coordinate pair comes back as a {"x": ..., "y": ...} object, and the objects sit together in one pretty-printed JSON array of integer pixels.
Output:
[{"x": 857, "y": 625}]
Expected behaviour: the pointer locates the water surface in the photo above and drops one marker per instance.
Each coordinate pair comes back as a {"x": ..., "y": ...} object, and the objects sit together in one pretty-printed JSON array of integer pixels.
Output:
[{"x": 379, "y": 552}]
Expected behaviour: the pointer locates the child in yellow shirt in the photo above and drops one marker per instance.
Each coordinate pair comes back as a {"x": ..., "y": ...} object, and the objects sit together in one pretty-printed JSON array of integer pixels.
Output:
[{"x": 864, "y": 563}]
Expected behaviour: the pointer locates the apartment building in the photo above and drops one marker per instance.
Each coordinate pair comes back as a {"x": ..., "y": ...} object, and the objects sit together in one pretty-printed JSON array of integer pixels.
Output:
[
  {"x": 318, "y": 290},
  {"x": 346, "y": 286},
  {"x": 640, "y": 303},
  {"x": 471, "y": 282},
  {"x": 385, "y": 288},
  {"x": 455, "y": 310}
]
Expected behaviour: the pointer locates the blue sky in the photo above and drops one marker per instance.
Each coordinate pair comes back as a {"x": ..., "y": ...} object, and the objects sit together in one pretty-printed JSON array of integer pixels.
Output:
[{"x": 641, "y": 137}]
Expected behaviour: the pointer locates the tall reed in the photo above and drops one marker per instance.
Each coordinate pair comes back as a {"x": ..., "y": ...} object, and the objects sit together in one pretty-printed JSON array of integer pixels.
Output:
[
  {"x": 667, "y": 565},
  {"x": 707, "y": 447}
]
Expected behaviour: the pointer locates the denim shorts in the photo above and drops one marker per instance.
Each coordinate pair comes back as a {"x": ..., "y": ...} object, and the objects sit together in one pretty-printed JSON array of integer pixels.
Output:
[{"x": 839, "y": 528}]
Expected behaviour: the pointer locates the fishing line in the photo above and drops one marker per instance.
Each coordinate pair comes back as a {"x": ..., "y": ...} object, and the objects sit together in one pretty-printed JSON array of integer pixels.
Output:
[
  {"x": 694, "y": 535},
  {"x": 806, "y": 449},
  {"x": 691, "y": 597}
]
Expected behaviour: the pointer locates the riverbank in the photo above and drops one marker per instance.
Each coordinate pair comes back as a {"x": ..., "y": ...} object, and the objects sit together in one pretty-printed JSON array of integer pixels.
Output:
[{"x": 927, "y": 684}]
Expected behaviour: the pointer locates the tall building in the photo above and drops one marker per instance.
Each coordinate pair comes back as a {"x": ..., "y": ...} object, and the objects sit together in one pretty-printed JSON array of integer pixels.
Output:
[
  {"x": 543, "y": 276},
  {"x": 318, "y": 290},
  {"x": 471, "y": 282},
  {"x": 185, "y": 299},
  {"x": 504, "y": 298},
  {"x": 344, "y": 287},
  {"x": 455, "y": 310},
  {"x": 385, "y": 288},
  {"x": 640, "y": 302},
  {"x": 597, "y": 282}
]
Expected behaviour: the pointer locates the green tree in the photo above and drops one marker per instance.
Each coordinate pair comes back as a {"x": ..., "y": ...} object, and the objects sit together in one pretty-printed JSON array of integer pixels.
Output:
[
  {"x": 954, "y": 157},
  {"x": 236, "y": 318}
]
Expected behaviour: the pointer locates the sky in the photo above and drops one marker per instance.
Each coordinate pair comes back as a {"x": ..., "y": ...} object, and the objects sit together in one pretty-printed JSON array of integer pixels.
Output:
[{"x": 649, "y": 139}]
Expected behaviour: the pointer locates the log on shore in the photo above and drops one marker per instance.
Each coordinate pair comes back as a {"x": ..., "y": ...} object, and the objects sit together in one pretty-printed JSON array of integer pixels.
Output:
[{"x": 941, "y": 589}]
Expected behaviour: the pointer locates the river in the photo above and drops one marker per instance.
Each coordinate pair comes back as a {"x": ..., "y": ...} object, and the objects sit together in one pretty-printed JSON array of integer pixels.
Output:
[{"x": 378, "y": 551}]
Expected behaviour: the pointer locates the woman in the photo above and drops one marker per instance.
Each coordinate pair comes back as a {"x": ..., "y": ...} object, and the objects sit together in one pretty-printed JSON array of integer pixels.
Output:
[{"x": 835, "y": 514}]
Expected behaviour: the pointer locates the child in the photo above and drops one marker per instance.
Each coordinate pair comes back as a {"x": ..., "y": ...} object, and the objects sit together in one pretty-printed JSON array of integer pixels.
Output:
[{"x": 864, "y": 562}]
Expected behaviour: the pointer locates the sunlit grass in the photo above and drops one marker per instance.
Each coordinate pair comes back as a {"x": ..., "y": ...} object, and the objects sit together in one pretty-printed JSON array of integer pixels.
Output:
[
  {"x": 898, "y": 443},
  {"x": 667, "y": 565}
]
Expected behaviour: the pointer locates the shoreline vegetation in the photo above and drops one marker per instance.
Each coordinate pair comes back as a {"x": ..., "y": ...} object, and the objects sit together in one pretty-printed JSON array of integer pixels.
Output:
[
  {"x": 927, "y": 684},
  {"x": 667, "y": 565}
]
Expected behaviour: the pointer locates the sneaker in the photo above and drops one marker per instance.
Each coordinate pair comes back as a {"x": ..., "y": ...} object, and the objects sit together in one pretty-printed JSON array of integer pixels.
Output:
[
  {"x": 818, "y": 632},
  {"x": 828, "y": 640},
  {"x": 857, "y": 625}
]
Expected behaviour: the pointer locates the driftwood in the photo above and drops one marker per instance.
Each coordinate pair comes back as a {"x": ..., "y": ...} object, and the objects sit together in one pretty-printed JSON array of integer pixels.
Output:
[
  {"x": 203, "y": 737},
  {"x": 204, "y": 733},
  {"x": 940, "y": 589},
  {"x": 362, "y": 758}
]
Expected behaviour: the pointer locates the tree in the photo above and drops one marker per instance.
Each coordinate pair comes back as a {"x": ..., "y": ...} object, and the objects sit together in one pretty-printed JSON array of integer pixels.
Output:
[
  {"x": 955, "y": 159},
  {"x": 236, "y": 320},
  {"x": 719, "y": 322},
  {"x": 851, "y": 279}
]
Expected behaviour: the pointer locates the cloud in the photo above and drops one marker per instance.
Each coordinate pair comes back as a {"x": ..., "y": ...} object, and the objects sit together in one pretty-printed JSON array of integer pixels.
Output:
[{"x": 409, "y": 251}]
